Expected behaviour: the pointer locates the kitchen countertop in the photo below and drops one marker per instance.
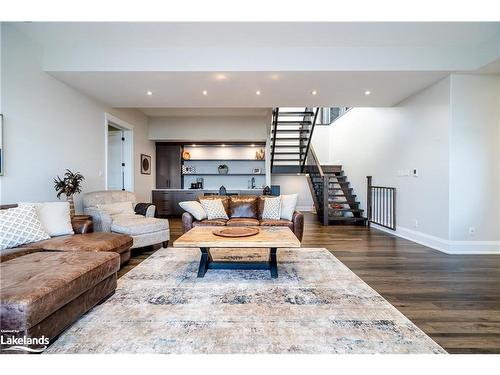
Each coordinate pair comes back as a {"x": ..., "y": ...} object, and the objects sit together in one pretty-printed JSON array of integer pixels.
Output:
[{"x": 240, "y": 189}]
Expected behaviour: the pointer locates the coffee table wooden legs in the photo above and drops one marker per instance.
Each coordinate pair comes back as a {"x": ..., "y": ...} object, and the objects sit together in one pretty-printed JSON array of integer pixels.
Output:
[{"x": 207, "y": 262}]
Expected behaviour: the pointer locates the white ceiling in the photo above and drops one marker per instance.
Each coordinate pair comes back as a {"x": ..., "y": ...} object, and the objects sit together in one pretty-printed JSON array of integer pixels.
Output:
[
  {"x": 184, "y": 89},
  {"x": 117, "y": 63},
  {"x": 257, "y": 34}
]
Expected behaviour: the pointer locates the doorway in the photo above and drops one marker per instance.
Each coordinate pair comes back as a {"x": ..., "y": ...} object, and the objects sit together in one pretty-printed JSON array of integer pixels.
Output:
[{"x": 119, "y": 155}]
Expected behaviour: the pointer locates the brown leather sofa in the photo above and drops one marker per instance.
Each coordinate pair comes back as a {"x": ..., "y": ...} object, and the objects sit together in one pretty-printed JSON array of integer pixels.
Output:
[
  {"x": 84, "y": 239},
  {"x": 45, "y": 286},
  {"x": 244, "y": 210}
]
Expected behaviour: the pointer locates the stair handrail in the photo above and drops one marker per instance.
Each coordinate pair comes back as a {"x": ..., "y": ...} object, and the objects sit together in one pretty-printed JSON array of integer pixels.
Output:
[
  {"x": 309, "y": 140},
  {"x": 316, "y": 161},
  {"x": 273, "y": 131}
]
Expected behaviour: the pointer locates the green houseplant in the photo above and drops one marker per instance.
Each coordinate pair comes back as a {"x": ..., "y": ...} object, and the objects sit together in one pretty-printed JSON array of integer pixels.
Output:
[
  {"x": 69, "y": 185},
  {"x": 223, "y": 169}
]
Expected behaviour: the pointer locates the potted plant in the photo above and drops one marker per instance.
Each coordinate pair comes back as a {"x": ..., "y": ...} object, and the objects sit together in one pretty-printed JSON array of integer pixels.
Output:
[
  {"x": 223, "y": 169},
  {"x": 69, "y": 186}
]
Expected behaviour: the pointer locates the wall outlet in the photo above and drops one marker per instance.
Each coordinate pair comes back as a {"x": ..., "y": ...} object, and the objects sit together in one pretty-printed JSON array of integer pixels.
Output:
[
  {"x": 100, "y": 173},
  {"x": 415, "y": 224},
  {"x": 472, "y": 231}
]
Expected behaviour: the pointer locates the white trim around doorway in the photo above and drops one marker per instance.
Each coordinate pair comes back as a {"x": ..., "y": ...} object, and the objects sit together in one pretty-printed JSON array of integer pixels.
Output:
[{"x": 129, "y": 145}]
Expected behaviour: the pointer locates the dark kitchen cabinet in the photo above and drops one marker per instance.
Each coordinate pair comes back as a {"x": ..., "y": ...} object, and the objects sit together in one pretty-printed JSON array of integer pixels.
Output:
[
  {"x": 168, "y": 166},
  {"x": 164, "y": 202},
  {"x": 167, "y": 202}
]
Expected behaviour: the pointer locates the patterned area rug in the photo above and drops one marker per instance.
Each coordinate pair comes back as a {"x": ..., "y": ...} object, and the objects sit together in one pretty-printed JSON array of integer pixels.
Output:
[{"x": 316, "y": 305}]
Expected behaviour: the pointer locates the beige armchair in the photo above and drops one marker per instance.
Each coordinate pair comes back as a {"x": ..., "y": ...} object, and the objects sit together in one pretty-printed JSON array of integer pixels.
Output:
[{"x": 145, "y": 229}]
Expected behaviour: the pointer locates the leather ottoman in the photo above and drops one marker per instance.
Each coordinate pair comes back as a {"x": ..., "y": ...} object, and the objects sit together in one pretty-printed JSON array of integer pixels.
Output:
[
  {"x": 95, "y": 241},
  {"x": 43, "y": 293}
]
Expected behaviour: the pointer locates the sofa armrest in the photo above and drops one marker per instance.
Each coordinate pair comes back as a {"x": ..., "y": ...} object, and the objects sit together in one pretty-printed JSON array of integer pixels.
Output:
[
  {"x": 102, "y": 220},
  {"x": 187, "y": 221},
  {"x": 298, "y": 224},
  {"x": 151, "y": 211},
  {"x": 145, "y": 209}
]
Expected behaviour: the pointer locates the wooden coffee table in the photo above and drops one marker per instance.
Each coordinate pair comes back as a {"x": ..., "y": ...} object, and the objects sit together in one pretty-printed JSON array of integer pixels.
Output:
[{"x": 268, "y": 237}]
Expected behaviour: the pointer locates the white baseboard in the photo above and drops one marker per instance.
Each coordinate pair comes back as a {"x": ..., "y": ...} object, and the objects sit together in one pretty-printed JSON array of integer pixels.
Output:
[{"x": 443, "y": 245}]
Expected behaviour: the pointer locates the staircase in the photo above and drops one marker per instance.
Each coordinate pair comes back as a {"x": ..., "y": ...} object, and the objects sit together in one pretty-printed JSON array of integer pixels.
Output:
[
  {"x": 333, "y": 198},
  {"x": 292, "y": 152},
  {"x": 291, "y": 133}
]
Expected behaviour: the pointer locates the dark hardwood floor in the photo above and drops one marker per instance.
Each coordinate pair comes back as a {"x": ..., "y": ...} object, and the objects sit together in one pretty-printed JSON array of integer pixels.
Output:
[{"x": 455, "y": 299}]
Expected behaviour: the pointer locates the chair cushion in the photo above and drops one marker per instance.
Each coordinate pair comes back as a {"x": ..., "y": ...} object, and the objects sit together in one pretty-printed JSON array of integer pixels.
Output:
[
  {"x": 36, "y": 285},
  {"x": 242, "y": 222},
  {"x": 243, "y": 206},
  {"x": 206, "y": 222},
  {"x": 276, "y": 223},
  {"x": 137, "y": 224},
  {"x": 96, "y": 241}
]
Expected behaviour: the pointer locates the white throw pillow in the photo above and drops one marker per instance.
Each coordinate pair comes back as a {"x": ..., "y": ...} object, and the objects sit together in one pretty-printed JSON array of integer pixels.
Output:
[
  {"x": 195, "y": 209},
  {"x": 19, "y": 226},
  {"x": 214, "y": 209},
  {"x": 54, "y": 216},
  {"x": 272, "y": 208},
  {"x": 117, "y": 208},
  {"x": 288, "y": 204}
]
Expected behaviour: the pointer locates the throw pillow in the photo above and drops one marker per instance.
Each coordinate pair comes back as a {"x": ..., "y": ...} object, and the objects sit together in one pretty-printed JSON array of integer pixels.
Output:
[
  {"x": 117, "y": 208},
  {"x": 195, "y": 209},
  {"x": 272, "y": 208},
  {"x": 19, "y": 226},
  {"x": 288, "y": 204},
  {"x": 54, "y": 217},
  {"x": 214, "y": 209}
]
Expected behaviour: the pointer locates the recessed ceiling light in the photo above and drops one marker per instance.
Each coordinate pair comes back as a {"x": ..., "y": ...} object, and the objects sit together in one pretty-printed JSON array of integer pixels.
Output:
[
  {"x": 367, "y": 92},
  {"x": 149, "y": 93},
  {"x": 220, "y": 77},
  {"x": 314, "y": 92},
  {"x": 204, "y": 92},
  {"x": 257, "y": 92}
]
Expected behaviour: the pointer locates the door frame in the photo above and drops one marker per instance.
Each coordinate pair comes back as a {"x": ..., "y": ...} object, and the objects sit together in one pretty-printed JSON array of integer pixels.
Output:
[{"x": 128, "y": 130}]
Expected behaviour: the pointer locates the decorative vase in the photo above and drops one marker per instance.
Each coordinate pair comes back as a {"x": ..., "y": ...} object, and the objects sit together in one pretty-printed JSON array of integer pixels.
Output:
[
  {"x": 223, "y": 170},
  {"x": 69, "y": 198}
]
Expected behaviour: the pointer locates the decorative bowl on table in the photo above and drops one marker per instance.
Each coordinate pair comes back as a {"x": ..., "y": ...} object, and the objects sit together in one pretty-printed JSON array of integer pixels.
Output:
[{"x": 236, "y": 232}]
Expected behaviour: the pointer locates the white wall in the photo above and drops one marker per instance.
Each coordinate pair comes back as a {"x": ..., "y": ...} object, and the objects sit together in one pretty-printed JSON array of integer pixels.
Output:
[
  {"x": 291, "y": 184},
  {"x": 49, "y": 127},
  {"x": 474, "y": 158},
  {"x": 209, "y": 128},
  {"x": 382, "y": 141},
  {"x": 450, "y": 133}
]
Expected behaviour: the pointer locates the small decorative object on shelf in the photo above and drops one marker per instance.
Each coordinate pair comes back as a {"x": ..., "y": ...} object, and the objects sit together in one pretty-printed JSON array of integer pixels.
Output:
[
  {"x": 223, "y": 169},
  {"x": 260, "y": 154},
  {"x": 266, "y": 191},
  {"x": 257, "y": 171},
  {"x": 222, "y": 190},
  {"x": 69, "y": 186},
  {"x": 145, "y": 164},
  {"x": 188, "y": 169},
  {"x": 186, "y": 155}
]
